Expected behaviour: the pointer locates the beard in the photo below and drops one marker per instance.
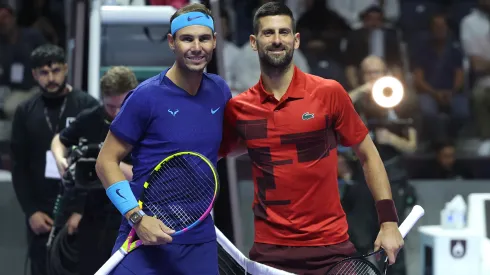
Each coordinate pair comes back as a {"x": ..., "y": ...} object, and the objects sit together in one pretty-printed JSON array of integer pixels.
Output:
[
  {"x": 275, "y": 61},
  {"x": 57, "y": 93}
]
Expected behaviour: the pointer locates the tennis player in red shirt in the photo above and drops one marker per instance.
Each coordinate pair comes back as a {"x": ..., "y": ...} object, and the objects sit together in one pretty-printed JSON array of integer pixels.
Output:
[{"x": 291, "y": 123}]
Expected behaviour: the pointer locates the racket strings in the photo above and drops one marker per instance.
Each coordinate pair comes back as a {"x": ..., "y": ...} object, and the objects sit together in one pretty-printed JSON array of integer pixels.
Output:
[
  {"x": 180, "y": 192},
  {"x": 354, "y": 267}
]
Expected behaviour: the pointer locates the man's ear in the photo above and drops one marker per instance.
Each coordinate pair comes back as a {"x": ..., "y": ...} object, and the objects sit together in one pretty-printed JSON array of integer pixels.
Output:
[
  {"x": 214, "y": 40},
  {"x": 296, "y": 40},
  {"x": 171, "y": 42},
  {"x": 253, "y": 42}
]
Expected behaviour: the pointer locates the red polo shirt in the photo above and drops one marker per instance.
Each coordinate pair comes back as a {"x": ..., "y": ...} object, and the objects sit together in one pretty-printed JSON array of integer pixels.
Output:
[{"x": 292, "y": 145}]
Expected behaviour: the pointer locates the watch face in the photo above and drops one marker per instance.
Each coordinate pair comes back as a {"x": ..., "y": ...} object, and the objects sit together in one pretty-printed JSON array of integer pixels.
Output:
[{"x": 135, "y": 217}]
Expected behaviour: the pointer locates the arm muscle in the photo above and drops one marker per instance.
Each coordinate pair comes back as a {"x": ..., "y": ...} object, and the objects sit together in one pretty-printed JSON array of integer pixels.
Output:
[{"x": 111, "y": 154}]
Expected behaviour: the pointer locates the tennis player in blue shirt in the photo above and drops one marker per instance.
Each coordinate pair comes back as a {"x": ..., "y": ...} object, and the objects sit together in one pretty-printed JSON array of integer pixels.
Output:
[{"x": 181, "y": 109}]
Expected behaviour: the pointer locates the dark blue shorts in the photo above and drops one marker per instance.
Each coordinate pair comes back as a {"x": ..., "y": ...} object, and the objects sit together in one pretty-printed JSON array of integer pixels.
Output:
[{"x": 171, "y": 259}]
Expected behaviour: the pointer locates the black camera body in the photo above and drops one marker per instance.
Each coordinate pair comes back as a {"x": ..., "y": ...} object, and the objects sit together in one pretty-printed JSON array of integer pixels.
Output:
[{"x": 81, "y": 172}]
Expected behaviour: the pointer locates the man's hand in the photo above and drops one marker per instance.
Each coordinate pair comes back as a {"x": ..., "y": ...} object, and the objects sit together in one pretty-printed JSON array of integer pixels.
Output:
[
  {"x": 383, "y": 136},
  {"x": 390, "y": 239},
  {"x": 368, "y": 87},
  {"x": 152, "y": 231},
  {"x": 442, "y": 97},
  {"x": 62, "y": 164},
  {"x": 447, "y": 97},
  {"x": 40, "y": 223},
  {"x": 73, "y": 222}
]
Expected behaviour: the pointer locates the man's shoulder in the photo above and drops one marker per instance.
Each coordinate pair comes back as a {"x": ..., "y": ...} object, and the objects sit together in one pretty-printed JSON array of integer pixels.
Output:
[
  {"x": 473, "y": 19},
  {"x": 218, "y": 80},
  {"x": 79, "y": 94},
  {"x": 323, "y": 85},
  {"x": 90, "y": 113},
  {"x": 84, "y": 99},
  {"x": 145, "y": 88},
  {"x": 29, "y": 104}
]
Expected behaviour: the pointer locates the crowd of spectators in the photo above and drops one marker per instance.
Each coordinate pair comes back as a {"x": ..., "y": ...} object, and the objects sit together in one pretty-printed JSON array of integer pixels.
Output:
[{"x": 437, "y": 48}]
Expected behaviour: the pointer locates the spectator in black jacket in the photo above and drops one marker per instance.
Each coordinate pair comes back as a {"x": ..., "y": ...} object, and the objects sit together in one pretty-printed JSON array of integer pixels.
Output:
[{"x": 36, "y": 121}]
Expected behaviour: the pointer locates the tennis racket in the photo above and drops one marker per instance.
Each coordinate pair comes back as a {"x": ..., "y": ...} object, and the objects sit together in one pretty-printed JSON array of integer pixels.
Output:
[
  {"x": 180, "y": 192},
  {"x": 361, "y": 265}
]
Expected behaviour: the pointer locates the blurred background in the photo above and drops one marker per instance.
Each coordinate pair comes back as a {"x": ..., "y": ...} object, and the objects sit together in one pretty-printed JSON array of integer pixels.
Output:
[{"x": 438, "y": 49}]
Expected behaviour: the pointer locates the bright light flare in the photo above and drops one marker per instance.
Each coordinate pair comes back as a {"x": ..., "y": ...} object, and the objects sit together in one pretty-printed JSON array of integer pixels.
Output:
[{"x": 387, "y": 101}]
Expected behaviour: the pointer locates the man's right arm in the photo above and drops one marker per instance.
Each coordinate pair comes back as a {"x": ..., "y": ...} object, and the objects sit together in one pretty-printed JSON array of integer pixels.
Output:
[
  {"x": 20, "y": 158},
  {"x": 125, "y": 131},
  {"x": 108, "y": 170}
]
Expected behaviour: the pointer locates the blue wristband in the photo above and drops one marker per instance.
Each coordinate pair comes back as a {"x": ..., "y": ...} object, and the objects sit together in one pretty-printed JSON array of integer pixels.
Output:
[{"x": 122, "y": 197}]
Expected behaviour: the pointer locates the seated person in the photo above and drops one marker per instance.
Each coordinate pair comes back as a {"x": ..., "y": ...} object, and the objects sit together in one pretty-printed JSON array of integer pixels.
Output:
[
  {"x": 446, "y": 166},
  {"x": 372, "y": 39},
  {"x": 439, "y": 80},
  {"x": 100, "y": 220}
]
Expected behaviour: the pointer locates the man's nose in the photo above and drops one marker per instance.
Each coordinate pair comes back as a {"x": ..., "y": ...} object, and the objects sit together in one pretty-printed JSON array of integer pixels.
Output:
[{"x": 196, "y": 46}]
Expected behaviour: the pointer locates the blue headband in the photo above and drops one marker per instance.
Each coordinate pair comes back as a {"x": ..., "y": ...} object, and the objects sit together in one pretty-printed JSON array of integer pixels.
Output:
[{"x": 190, "y": 19}]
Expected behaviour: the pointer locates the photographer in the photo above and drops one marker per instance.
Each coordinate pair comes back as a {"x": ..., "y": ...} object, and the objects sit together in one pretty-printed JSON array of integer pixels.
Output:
[
  {"x": 393, "y": 136},
  {"x": 99, "y": 226}
]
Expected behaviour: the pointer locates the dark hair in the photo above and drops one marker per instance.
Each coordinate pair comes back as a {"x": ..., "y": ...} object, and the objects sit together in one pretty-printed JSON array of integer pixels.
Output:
[
  {"x": 371, "y": 9},
  {"x": 437, "y": 15},
  {"x": 118, "y": 80},
  {"x": 441, "y": 144},
  {"x": 47, "y": 54},
  {"x": 191, "y": 8},
  {"x": 271, "y": 9}
]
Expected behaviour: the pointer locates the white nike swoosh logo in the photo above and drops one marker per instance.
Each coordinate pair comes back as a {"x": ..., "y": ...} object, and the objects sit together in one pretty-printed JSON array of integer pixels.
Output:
[{"x": 214, "y": 111}]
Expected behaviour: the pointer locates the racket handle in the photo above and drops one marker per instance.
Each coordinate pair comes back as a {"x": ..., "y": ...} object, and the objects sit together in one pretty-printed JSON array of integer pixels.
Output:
[
  {"x": 110, "y": 264},
  {"x": 412, "y": 218}
]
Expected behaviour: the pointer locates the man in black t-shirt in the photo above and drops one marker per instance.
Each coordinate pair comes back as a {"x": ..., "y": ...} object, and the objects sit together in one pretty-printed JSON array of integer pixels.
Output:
[
  {"x": 99, "y": 226},
  {"x": 35, "y": 123}
]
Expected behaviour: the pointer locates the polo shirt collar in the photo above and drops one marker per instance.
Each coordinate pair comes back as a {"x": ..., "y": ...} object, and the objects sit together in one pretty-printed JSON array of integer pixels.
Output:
[{"x": 296, "y": 89}]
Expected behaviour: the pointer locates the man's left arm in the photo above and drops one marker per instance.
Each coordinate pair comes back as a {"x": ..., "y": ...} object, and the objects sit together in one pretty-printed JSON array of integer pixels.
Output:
[
  {"x": 389, "y": 237},
  {"x": 354, "y": 133}
]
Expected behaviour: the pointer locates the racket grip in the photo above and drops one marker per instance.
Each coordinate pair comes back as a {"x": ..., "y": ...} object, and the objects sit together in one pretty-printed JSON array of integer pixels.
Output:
[
  {"x": 110, "y": 264},
  {"x": 412, "y": 218}
]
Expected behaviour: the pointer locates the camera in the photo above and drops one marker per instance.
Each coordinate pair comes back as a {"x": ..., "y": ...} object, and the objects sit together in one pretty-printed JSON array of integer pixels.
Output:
[{"x": 81, "y": 169}]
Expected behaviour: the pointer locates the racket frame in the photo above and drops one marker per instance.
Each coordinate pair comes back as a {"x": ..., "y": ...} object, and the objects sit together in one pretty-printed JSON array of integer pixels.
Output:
[
  {"x": 130, "y": 244},
  {"x": 416, "y": 213}
]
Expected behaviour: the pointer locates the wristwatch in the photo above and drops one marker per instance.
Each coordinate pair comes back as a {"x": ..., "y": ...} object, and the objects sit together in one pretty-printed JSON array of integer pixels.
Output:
[{"x": 136, "y": 217}]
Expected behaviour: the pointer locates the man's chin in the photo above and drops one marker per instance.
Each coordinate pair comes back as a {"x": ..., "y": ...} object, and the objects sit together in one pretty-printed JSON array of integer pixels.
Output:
[
  {"x": 196, "y": 68},
  {"x": 278, "y": 64}
]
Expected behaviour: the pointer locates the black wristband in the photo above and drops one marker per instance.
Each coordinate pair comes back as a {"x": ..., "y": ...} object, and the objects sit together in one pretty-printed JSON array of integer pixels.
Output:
[{"x": 386, "y": 211}]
